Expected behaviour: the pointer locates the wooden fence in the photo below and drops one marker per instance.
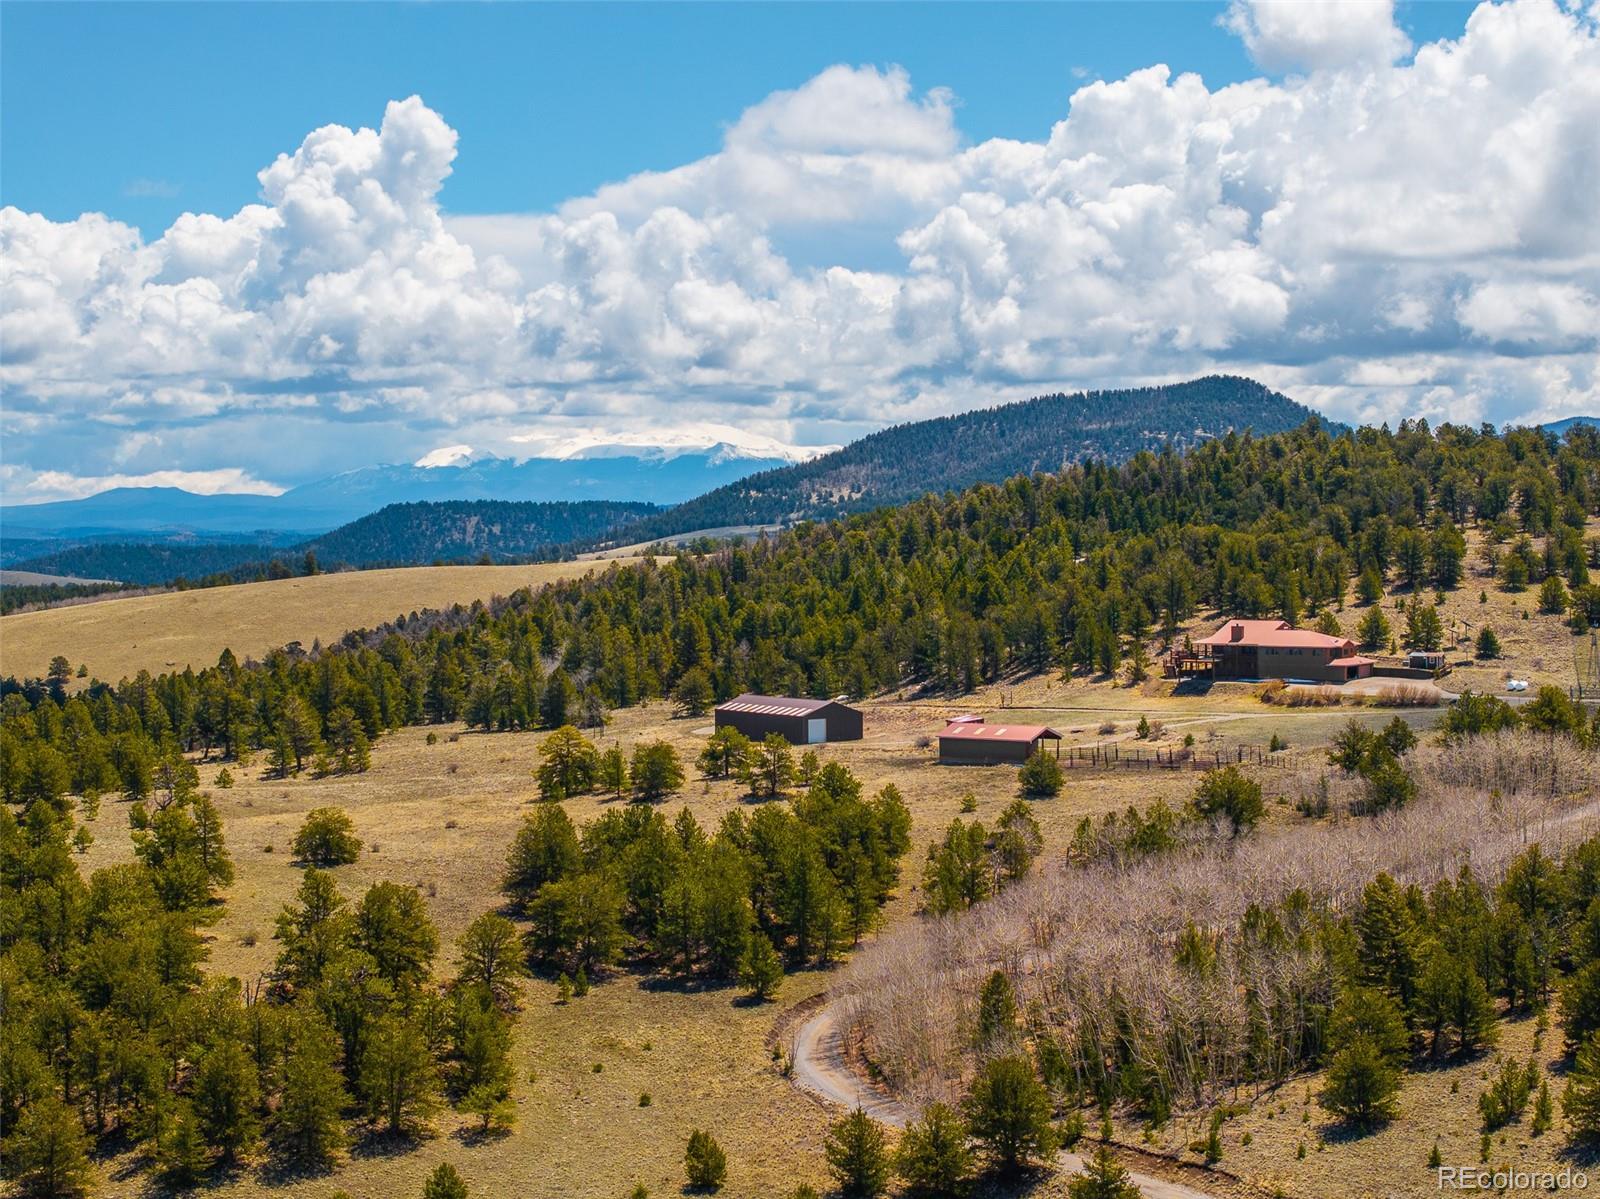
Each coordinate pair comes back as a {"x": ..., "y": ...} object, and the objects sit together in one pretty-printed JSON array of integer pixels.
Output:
[{"x": 1119, "y": 755}]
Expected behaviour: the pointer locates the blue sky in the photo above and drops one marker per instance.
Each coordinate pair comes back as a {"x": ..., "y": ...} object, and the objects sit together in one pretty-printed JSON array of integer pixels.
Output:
[
  {"x": 246, "y": 246},
  {"x": 144, "y": 111}
]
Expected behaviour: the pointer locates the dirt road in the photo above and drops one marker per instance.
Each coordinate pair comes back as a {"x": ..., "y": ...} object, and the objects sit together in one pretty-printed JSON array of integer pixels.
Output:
[{"x": 822, "y": 1068}]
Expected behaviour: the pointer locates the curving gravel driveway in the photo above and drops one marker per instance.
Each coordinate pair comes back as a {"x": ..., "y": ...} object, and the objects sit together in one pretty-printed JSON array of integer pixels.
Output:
[{"x": 822, "y": 1068}]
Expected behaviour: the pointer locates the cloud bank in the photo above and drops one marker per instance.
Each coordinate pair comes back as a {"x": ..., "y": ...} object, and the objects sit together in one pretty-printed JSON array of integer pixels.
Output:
[{"x": 1380, "y": 233}]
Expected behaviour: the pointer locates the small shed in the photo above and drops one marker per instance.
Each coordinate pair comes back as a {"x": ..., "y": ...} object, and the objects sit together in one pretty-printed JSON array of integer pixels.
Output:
[
  {"x": 969, "y": 742},
  {"x": 798, "y": 721}
]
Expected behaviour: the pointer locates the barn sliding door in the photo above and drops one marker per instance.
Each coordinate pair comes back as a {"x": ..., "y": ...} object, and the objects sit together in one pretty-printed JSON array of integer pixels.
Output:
[{"x": 816, "y": 731}]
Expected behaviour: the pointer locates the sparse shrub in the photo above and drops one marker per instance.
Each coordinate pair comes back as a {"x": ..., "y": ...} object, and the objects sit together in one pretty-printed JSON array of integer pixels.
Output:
[
  {"x": 969, "y": 803},
  {"x": 644, "y": 1099},
  {"x": 1269, "y": 691},
  {"x": 1507, "y": 1095},
  {"x": 1232, "y": 794},
  {"x": 704, "y": 1162},
  {"x": 327, "y": 838},
  {"x": 1543, "y": 1111},
  {"x": 1361, "y": 1086},
  {"x": 760, "y": 967},
  {"x": 858, "y": 1157},
  {"x": 432, "y": 738},
  {"x": 933, "y": 1159},
  {"x": 1008, "y": 1112},
  {"x": 444, "y": 1183},
  {"x": 224, "y": 779},
  {"x": 1040, "y": 775},
  {"x": 1102, "y": 1177},
  {"x": 656, "y": 771}
]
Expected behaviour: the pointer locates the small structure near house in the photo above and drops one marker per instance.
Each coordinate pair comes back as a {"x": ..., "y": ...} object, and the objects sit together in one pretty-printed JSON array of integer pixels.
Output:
[
  {"x": 1425, "y": 659},
  {"x": 798, "y": 721},
  {"x": 969, "y": 741},
  {"x": 1274, "y": 649}
]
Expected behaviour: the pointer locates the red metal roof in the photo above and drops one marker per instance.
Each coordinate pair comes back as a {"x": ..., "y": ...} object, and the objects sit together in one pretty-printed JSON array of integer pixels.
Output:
[
  {"x": 967, "y": 730},
  {"x": 773, "y": 705},
  {"x": 1274, "y": 634},
  {"x": 1352, "y": 660}
]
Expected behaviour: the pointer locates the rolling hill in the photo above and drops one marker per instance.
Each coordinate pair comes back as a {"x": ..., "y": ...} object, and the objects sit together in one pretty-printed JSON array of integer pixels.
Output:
[
  {"x": 613, "y": 473},
  {"x": 411, "y": 534},
  {"x": 118, "y": 637},
  {"x": 986, "y": 446},
  {"x": 889, "y": 467}
]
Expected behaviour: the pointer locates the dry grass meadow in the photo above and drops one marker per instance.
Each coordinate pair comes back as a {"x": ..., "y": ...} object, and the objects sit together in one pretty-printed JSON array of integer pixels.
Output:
[
  {"x": 440, "y": 817},
  {"x": 117, "y": 638}
]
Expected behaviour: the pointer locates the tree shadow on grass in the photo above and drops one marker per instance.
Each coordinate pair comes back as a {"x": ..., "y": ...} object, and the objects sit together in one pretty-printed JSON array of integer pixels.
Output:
[
  {"x": 380, "y": 1143},
  {"x": 475, "y": 1136},
  {"x": 285, "y": 1172},
  {"x": 683, "y": 984},
  {"x": 1338, "y": 1132},
  {"x": 1583, "y": 1154},
  {"x": 991, "y": 1185}
]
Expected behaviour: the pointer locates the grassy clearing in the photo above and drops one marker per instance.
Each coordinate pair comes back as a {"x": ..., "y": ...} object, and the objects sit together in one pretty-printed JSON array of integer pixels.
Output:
[
  {"x": 439, "y": 817},
  {"x": 117, "y": 638}
]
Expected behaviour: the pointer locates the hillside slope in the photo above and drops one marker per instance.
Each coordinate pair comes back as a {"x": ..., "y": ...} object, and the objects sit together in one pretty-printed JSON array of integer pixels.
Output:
[
  {"x": 986, "y": 446},
  {"x": 413, "y": 534},
  {"x": 117, "y": 638},
  {"x": 418, "y": 532}
]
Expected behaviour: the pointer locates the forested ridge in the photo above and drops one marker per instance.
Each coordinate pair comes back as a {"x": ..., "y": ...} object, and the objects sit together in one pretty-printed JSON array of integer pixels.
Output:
[
  {"x": 1073, "y": 571},
  {"x": 950, "y": 453},
  {"x": 412, "y": 534}
]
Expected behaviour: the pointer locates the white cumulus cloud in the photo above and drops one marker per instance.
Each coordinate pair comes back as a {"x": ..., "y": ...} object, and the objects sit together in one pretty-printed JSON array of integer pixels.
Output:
[
  {"x": 1284, "y": 35},
  {"x": 1378, "y": 235}
]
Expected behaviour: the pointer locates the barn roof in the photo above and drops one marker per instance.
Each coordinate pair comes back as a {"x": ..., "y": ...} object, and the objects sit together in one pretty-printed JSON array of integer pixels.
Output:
[
  {"x": 1273, "y": 634},
  {"x": 774, "y": 705},
  {"x": 966, "y": 730}
]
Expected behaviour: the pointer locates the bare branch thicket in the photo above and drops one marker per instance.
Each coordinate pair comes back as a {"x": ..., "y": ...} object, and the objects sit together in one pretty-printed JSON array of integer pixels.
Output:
[{"x": 1091, "y": 948}]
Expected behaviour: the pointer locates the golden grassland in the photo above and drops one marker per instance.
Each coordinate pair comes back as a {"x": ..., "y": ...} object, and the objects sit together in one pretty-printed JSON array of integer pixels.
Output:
[
  {"x": 440, "y": 817},
  {"x": 117, "y": 638}
]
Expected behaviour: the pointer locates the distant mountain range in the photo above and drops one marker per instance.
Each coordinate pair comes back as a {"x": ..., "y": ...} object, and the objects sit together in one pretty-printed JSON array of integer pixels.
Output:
[
  {"x": 954, "y": 452},
  {"x": 596, "y": 471},
  {"x": 197, "y": 536},
  {"x": 397, "y": 535},
  {"x": 1560, "y": 427}
]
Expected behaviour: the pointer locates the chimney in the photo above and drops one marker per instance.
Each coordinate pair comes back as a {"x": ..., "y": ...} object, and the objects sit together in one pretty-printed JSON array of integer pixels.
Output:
[{"x": 1236, "y": 633}]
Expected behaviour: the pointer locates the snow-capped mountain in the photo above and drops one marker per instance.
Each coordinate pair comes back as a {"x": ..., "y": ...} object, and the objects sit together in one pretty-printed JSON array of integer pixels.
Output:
[{"x": 668, "y": 469}]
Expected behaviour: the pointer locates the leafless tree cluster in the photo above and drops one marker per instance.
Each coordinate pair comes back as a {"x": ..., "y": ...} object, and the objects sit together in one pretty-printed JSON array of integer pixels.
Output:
[{"x": 1199, "y": 971}]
